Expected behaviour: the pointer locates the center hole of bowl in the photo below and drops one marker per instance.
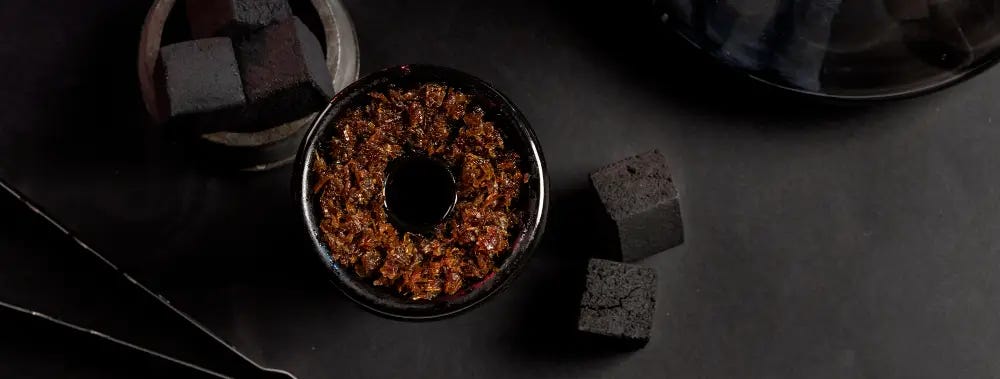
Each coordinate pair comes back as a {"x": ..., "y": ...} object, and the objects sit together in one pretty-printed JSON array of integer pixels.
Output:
[{"x": 419, "y": 193}]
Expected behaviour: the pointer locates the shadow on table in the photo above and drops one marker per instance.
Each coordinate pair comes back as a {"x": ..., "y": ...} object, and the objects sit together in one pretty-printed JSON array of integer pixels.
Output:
[{"x": 546, "y": 328}]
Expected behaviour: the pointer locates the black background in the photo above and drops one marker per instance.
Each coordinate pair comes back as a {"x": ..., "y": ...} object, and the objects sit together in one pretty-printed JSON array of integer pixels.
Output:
[{"x": 822, "y": 240}]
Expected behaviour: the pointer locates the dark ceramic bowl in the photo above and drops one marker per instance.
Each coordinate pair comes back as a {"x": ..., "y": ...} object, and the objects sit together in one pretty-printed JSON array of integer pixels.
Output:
[{"x": 517, "y": 134}]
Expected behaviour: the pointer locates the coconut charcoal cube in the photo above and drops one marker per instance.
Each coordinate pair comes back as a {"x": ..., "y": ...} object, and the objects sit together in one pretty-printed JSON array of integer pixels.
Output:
[
  {"x": 618, "y": 303},
  {"x": 284, "y": 73},
  {"x": 200, "y": 80},
  {"x": 211, "y": 18},
  {"x": 642, "y": 203}
]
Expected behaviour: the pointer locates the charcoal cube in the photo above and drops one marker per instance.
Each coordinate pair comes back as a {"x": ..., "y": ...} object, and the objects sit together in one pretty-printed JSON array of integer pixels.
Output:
[
  {"x": 212, "y": 18},
  {"x": 618, "y": 303},
  {"x": 284, "y": 73},
  {"x": 200, "y": 80},
  {"x": 642, "y": 204}
]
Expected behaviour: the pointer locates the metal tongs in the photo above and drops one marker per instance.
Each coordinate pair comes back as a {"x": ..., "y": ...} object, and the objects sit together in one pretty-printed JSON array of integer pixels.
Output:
[{"x": 57, "y": 297}]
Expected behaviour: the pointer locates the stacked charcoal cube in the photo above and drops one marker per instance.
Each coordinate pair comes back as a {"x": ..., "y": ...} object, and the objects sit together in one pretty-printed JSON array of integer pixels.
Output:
[
  {"x": 643, "y": 206},
  {"x": 252, "y": 67}
]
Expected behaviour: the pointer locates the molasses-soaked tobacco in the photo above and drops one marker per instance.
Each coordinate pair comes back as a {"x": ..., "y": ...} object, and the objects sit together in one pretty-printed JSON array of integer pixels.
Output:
[{"x": 434, "y": 121}]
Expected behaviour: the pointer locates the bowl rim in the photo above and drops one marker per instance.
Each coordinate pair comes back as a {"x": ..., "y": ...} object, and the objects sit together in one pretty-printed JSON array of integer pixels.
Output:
[
  {"x": 526, "y": 241},
  {"x": 988, "y": 61}
]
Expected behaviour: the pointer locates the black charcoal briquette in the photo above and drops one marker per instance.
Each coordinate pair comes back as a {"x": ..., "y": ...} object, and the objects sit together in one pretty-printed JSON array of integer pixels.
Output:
[
  {"x": 642, "y": 203},
  {"x": 211, "y": 18},
  {"x": 200, "y": 80},
  {"x": 284, "y": 73},
  {"x": 618, "y": 303}
]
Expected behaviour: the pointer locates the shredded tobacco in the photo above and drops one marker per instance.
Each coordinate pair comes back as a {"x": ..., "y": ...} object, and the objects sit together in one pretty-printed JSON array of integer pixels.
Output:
[{"x": 438, "y": 122}]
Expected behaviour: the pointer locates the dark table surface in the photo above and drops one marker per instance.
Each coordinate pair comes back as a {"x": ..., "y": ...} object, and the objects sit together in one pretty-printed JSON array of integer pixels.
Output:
[{"x": 822, "y": 240}]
